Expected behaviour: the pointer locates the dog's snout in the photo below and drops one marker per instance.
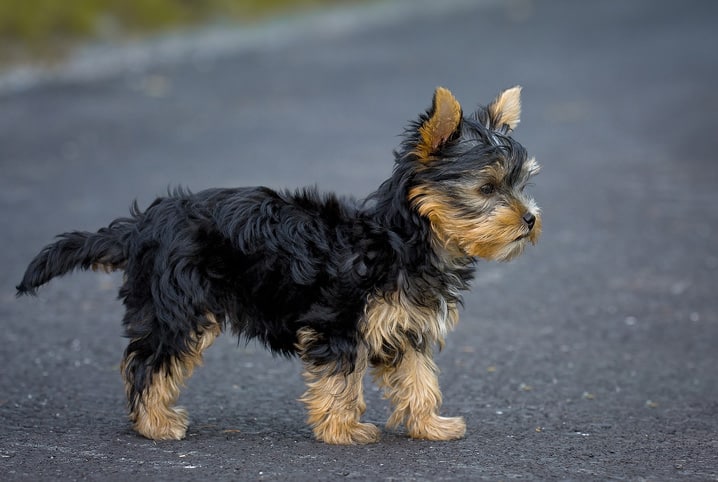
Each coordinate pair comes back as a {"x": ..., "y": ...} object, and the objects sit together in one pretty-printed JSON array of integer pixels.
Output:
[{"x": 529, "y": 219}]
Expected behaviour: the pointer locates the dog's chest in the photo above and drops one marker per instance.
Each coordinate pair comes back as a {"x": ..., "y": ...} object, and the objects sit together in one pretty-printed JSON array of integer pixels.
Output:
[{"x": 393, "y": 325}]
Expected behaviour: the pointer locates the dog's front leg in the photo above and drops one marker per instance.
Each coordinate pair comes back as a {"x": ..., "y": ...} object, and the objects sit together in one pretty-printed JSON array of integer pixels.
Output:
[
  {"x": 412, "y": 385},
  {"x": 335, "y": 400}
]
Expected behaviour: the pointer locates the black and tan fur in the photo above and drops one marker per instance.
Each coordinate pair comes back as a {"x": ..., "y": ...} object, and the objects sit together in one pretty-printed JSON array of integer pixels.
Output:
[{"x": 346, "y": 286}]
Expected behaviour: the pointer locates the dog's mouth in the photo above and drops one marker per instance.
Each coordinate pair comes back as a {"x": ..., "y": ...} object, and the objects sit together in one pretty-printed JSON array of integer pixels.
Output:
[{"x": 522, "y": 237}]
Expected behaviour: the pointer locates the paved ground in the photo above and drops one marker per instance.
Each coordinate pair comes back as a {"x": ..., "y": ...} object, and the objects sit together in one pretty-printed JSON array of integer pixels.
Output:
[{"x": 592, "y": 357}]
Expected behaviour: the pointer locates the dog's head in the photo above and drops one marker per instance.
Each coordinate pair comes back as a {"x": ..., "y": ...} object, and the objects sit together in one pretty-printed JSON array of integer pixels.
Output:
[{"x": 469, "y": 177}]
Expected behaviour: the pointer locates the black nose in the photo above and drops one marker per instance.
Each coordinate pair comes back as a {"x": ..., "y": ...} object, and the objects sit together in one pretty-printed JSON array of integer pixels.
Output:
[{"x": 530, "y": 220}]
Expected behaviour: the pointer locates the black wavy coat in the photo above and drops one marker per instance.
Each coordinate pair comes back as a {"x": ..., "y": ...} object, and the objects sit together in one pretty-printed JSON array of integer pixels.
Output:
[{"x": 268, "y": 263}]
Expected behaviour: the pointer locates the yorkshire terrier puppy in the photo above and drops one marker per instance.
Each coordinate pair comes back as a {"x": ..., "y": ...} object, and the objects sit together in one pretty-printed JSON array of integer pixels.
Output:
[{"x": 346, "y": 286}]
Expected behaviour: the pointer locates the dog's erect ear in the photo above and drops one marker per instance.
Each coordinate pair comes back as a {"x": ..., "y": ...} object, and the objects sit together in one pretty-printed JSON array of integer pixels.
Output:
[
  {"x": 441, "y": 122},
  {"x": 506, "y": 109}
]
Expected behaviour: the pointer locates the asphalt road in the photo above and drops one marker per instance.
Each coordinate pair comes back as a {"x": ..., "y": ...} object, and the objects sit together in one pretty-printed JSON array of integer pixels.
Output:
[{"x": 594, "y": 356}]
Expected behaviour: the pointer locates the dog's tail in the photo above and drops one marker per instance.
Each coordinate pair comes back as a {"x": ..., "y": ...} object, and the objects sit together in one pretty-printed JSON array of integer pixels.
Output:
[{"x": 105, "y": 250}]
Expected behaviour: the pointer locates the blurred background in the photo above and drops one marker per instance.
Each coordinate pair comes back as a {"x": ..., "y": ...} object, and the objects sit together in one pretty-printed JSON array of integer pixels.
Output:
[
  {"x": 46, "y": 30},
  {"x": 592, "y": 356}
]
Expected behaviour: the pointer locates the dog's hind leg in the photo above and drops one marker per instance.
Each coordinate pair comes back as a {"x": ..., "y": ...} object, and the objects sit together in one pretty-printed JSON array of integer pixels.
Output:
[
  {"x": 334, "y": 399},
  {"x": 154, "y": 368}
]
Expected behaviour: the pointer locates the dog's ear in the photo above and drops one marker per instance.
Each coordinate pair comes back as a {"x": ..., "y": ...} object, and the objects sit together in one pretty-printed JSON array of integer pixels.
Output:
[
  {"x": 440, "y": 123},
  {"x": 506, "y": 109}
]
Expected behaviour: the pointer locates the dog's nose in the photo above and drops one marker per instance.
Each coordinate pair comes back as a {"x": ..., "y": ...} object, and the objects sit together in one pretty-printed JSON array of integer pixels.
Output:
[{"x": 530, "y": 220}]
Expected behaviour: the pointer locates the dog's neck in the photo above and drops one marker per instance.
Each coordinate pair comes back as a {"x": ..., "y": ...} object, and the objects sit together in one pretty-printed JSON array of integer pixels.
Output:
[{"x": 425, "y": 267}]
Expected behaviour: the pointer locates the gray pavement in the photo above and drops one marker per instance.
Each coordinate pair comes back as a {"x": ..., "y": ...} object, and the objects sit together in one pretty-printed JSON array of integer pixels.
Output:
[{"x": 594, "y": 356}]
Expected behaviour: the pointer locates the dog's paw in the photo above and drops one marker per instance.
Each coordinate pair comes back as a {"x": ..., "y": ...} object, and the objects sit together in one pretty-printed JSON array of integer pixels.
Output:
[
  {"x": 437, "y": 428},
  {"x": 348, "y": 434},
  {"x": 166, "y": 424}
]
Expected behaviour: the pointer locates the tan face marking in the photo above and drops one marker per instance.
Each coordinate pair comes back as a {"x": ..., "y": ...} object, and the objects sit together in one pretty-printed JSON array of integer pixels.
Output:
[{"x": 466, "y": 220}]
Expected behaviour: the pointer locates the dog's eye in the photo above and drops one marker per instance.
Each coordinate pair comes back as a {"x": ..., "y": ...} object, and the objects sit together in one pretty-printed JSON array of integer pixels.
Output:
[{"x": 487, "y": 189}]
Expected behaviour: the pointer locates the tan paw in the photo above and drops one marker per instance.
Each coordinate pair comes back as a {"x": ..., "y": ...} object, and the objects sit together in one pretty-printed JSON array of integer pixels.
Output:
[
  {"x": 164, "y": 424},
  {"x": 435, "y": 427},
  {"x": 348, "y": 434}
]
